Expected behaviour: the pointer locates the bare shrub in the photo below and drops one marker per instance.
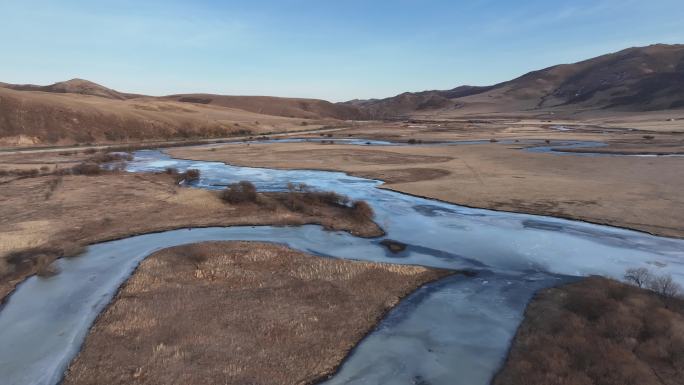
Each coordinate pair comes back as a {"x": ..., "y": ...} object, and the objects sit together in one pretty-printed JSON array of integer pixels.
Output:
[
  {"x": 241, "y": 192},
  {"x": 588, "y": 305},
  {"x": 192, "y": 175},
  {"x": 414, "y": 141},
  {"x": 86, "y": 168},
  {"x": 665, "y": 286},
  {"x": 580, "y": 334},
  {"x": 638, "y": 276},
  {"x": 648, "y": 137},
  {"x": 662, "y": 285},
  {"x": 362, "y": 211}
]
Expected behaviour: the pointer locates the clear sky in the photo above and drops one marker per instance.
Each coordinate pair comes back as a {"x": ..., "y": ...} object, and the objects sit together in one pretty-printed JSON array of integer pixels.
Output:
[{"x": 336, "y": 50}]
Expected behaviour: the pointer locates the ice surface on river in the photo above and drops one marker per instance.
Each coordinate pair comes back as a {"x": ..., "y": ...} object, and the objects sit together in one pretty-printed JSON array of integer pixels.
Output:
[{"x": 454, "y": 330}]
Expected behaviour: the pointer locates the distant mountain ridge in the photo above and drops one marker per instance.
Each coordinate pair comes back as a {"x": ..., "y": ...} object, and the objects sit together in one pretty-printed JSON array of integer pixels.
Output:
[
  {"x": 79, "y": 111},
  {"x": 635, "y": 79}
]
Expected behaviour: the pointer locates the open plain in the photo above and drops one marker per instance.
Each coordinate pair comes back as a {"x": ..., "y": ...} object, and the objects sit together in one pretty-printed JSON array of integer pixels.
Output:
[{"x": 497, "y": 171}]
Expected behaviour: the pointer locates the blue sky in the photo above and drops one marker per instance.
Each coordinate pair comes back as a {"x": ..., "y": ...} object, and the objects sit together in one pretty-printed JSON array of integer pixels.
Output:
[{"x": 336, "y": 50}]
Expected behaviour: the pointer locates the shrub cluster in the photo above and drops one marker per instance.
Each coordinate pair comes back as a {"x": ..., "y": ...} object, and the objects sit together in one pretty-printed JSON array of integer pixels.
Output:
[
  {"x": 241, "y": 192},
  {"x": 190, "y": 175},
  {"x": 662, "y": 285}
]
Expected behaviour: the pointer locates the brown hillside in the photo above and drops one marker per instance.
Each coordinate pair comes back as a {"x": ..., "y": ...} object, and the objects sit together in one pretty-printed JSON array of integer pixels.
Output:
[
  {"x": 32, "y": 117},
  {"x": 73, "y": 86},
  {"x": 269, "y": 105},
  {"x": 634, "y": 79}
]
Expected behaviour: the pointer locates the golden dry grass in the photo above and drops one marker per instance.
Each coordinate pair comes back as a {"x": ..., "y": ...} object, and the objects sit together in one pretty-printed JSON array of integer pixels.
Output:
[
  {"x": 239, "y": 313},
  {"x": 598, "y": 332},
  {"x": 54, "y": 218},
  {"x": 638, "y": 193}
]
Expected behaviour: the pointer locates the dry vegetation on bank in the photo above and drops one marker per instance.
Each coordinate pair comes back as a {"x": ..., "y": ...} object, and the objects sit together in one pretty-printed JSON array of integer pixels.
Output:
[
  {"x": 51, "y": 216},
  {"x": 239, "y": 313},
  {"x": 638, "y": 193},
  {"x": 598, "y": 332}
]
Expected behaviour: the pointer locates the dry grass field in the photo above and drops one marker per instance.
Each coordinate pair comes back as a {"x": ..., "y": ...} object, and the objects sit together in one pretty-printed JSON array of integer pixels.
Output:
[
  {"x": 642, "y": 193},
  {"x": 239, "y": 313},
  {"x": 46, "y": 118},
  {"x": 46, "y": 217},
  {"x": 598, "y": 331}
]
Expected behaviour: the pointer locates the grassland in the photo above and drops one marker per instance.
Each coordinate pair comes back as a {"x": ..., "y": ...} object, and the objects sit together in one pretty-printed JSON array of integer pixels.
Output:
[
  {"x": 49, "y": 216},
  {"x": 642, "y": 193},
  {"x": 239, "y": 313}
]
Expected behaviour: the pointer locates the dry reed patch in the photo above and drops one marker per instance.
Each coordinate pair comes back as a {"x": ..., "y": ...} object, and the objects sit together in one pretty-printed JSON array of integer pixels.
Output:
[
  {"x": 239, "y": 313},
  {"x": 598, "y": 331}
]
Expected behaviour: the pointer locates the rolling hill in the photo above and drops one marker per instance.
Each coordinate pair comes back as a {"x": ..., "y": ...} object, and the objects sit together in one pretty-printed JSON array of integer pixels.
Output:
[
  {"x": 634, "y": 79},
  {"x": 269, "y": 105},
  {"x": 80, "y": 111},
  {"x": 76, "y": 111}
]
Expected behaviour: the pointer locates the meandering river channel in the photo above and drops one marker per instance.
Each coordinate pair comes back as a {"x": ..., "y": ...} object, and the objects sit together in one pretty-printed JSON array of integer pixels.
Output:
[{"x": 454, "y": 331}]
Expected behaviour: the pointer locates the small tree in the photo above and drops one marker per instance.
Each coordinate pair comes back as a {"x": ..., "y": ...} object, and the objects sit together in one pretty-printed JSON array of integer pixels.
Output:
[
  {"x": 665, "y": 286},
  {"x": 639, "y": 277}
]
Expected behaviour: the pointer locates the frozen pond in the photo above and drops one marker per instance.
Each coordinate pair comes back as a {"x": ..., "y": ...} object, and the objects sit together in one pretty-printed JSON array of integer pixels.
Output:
[{"x": 455, "y": 331}]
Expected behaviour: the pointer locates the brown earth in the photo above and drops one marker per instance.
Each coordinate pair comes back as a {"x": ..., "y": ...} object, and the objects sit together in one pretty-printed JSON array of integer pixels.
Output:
[
  {"x": 50, "y": 216},
  {"x": 598, "y": 332},
  {"x": 41, "y": 118},
  {"x": 638, "y": 193},
  {"x": 239, "y": 313}
]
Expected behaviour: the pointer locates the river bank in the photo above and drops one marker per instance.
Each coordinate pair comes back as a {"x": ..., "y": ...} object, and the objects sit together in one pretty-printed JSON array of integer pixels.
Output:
[
  {"x": 52, "y": 216},
  {"x": 304, "y": 313},
  {"x": 630, "y": 192}
]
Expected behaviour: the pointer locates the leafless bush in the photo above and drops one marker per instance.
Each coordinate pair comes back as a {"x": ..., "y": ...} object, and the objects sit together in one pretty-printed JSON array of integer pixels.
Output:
[
  {"x": 665, "y": 286},
  {"x": 648, "y": 137},
  {"x": 190, "y": 175},
  {"x": 414, "y": 141},
  {"x": 86, "y": 168},
  {"x": 588, "y": 305},
  {"x": 662, "y": 285},
  {"x": 241, "y": 192},
  {"x": 638, "y": 276},
  {"x": 362, "y": 211}
]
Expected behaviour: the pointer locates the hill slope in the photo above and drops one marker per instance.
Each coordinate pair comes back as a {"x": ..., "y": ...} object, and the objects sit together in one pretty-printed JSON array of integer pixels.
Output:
[
  {"x": 269, "y": 105},
  {"x": 73, "y": 86},
  {"x": 33, "y": 117},
  {"x": 634, "y": 79}
]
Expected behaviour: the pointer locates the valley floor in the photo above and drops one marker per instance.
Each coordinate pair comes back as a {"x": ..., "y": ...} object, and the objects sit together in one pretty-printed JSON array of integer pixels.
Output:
[
  {"x": 48, "y": 216},
  {"x": 642, "y": 193}
]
